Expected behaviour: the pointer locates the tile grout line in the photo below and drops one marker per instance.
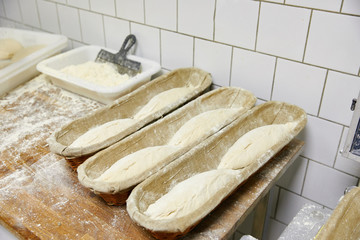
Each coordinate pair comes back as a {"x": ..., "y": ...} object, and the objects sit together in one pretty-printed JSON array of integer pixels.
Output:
[
  {"x": 177, "y": 16},
  {"x": 58, "y": 17},
  {"x": 273, "y": 80},
  {"x": 324, "y": 165},
  {"x": 37, "y": 11},
  {"x": 144, "y": 12},
  {"x": 341, "y": 6},
  {"x": 339, "y": 146},
  {"x": 21, "y": 13},
  {"x": 307, "y": 36},
  {"x": 214, "y": 17},
  {"x": 231, "y": 65},
  {"x": 303, "y": 181},
  {"x": 322, "y": 93},
  {"x": 257, "y": 27}
]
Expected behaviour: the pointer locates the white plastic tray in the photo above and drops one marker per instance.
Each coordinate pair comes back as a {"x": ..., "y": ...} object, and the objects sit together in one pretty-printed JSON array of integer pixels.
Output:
[
  {"x": 23, "y": 70},
  {"x": 52, "y": 67}
]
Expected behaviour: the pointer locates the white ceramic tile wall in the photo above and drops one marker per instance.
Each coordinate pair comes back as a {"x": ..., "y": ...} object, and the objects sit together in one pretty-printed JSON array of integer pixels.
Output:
[
  {"x": 288, "y": 205},
  {"x": 29, "y": 12},
  {"x": 334, "y": 42},
  {"x": 236, "y": 22},
  {"x": 351, "y": 6},
  {"x": 305, "y": 52},
  {"x": 326, "y": 185},
  {"x": 245, "y": 72},
  {"x": 131, "y": 10},
  {"x": 116, "y": 31},
  {"x": 12, "y": 10},
  {"x": 334, "y": 107},
  {"x": 173, "y": 56},
  {"x": 293, "y": 179},
  {"x": 48, "y": 16},
  {"x": 103, "y": 6},
  {"x": 195, "y": 17},
  {"x": 332, "y": 5},
  {"x": 69, "y": 22},
  {"x": 289, "y": 78},
  {"x": 322, "y": 140},
  {"x": 283, "y": 30},
  {"x": 214, "y": 58},
  {"x": 273, "y": 230},
  {"x": 92, "y": 28},
  {"x": 161, "y": 13}
]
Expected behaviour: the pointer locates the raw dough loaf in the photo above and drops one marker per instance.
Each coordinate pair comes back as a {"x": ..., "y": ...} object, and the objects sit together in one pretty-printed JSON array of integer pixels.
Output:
[
  {"x": 137, "y": 164},
  {"x": 252, "y": 145},
  {"x": 201, "y": 125},
  {"x": 25, "y": 52},
  {"x": 8, "y": 47},
  {"x": 190, "y": 194},
  {"x": 162, "y": 100},
  {"x": 102, "y": 132}
]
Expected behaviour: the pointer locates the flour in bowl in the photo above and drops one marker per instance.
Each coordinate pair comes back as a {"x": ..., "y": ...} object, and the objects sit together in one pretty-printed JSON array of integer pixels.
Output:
[{"x": 103, "y": 74}]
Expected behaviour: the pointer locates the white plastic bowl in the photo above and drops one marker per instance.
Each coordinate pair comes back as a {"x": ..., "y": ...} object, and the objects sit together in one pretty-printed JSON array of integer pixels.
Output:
[
  {"x": 24, "y": 69},
  {"x": 52, "y": 67}
]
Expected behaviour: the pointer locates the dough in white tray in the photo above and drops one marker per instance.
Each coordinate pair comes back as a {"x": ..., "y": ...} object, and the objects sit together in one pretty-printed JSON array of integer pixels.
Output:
[
  {"x": 191, "y": 194},
  {"x": 253, "y": 144},
  {"x": 8, "y": 47},
  {"x": 201, "y": 125},
  {"x": 102, "y": 132}
]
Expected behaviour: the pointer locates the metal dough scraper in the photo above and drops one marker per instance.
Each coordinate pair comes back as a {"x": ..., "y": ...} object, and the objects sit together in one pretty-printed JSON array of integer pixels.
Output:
[{"x": 124, "y": 65}]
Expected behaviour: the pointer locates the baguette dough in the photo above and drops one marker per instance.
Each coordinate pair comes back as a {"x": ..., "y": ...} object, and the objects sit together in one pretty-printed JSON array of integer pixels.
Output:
[
  {"x": 102, "y": 132},
  {"x": 200, "y": 125},
  {"x": 137, "y": 164},
  {"x": 252, "y": 145},
  {"x": 162, "y": 100},
  {"x": 8, "y": 47},
  {"x": 109, "y": 129},
  {"x": 191, "y": 194}
]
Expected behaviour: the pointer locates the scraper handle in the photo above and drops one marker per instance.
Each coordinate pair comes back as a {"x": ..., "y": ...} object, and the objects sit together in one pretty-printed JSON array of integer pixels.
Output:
[{"x": 129, "y": 41}]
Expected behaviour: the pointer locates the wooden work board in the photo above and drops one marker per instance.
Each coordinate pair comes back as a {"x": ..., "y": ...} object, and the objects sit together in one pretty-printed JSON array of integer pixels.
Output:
[{"x": 41, "y": 197}]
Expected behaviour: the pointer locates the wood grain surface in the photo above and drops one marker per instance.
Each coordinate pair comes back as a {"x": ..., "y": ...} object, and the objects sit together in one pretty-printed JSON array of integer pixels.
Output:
[{"x": 41, "y": 198}]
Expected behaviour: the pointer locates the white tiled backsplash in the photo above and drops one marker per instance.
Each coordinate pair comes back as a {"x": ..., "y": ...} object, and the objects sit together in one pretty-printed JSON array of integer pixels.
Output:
[{"x": 304, "y": 52}]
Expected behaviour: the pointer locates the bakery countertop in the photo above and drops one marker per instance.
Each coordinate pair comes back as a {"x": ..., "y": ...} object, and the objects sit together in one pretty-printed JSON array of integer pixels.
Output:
[{"x": 42, "y": 198}]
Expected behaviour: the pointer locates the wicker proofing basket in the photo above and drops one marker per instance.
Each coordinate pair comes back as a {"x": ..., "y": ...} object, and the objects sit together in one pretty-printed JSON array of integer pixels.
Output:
[
  {"x": 159, "y": 134},
  {"x": 207, "y": 157},
  {"x": 126, "y": 107}
]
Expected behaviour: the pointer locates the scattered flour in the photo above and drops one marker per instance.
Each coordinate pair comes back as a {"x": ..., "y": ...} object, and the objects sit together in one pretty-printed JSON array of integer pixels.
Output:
[{"x": 28, "y": 115}]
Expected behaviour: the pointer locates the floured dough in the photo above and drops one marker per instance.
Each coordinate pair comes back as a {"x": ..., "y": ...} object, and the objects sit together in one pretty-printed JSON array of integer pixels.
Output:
[
  {"x": 102, "y": 132},
  {"x": 25, "y": 52},
  {"x": 8, "y": 47},
  {"x": 190, "y": 194},
  {"x": 201, "y": 125},
  {"x": 138, "y": 163},
  {"x": 252, "y": 145},
  {"x": 162, "y": 100}
]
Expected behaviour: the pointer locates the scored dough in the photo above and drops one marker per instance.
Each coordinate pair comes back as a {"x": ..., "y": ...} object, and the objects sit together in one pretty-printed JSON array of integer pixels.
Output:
[
  {"x": 201, "y": 125},
  {"x": 162, "y": 100},
  {"x": 8, "y": 47},
  {"x": 137, "y": 164},
  {"x": 252, "y": 145},
  {"x": 190, "y": 194},
  {"x": 102, "y": 132}
]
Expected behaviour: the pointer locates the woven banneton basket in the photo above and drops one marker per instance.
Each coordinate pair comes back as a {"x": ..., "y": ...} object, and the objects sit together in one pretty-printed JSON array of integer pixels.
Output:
[
  {"x": 207, "y": 156},
  {"x": 126, "y": 107},
  {"x": 159, "y": 134}
]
